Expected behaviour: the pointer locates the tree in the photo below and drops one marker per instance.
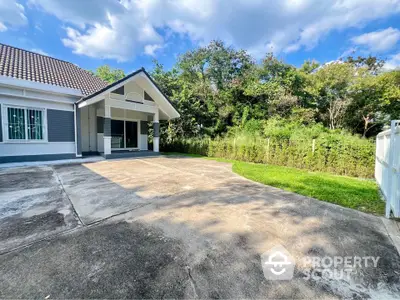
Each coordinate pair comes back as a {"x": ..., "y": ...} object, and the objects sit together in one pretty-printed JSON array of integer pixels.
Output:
[
  {"x": 277, "y": 88},
  {"x": 375, "y": 101},
  {"x": 220, "y": 90},
  {"x": 167, "y": 81},
  {"x": 329, "y": 86},
  {"x": 309, "y": 66},
  {"x": 108, "y": 74},
  {"x": 214, "y": 76},
  {"x": 372, "y": 63}
]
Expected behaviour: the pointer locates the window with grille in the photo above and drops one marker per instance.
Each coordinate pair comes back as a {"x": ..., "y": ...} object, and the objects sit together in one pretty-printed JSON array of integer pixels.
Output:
[{"x": 25, "y": 123}]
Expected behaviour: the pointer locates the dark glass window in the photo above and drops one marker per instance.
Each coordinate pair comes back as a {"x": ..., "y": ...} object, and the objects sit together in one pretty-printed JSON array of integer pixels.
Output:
[{"x": 147, "y": 97}]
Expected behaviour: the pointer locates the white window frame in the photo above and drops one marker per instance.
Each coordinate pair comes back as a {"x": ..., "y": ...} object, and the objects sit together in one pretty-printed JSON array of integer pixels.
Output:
[{"x": 4, "y": 118}]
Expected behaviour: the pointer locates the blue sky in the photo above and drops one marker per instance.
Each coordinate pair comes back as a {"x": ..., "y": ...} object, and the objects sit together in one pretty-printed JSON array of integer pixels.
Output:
[{"x": 129, "y": 34}]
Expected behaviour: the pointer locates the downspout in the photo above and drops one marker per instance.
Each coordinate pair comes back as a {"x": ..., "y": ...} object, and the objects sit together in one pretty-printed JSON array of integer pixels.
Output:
[{"x": 77, "y": 153}]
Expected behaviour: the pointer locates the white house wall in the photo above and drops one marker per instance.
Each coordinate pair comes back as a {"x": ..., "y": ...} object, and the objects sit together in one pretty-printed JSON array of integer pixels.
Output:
[{"x": 54, "y": 104}]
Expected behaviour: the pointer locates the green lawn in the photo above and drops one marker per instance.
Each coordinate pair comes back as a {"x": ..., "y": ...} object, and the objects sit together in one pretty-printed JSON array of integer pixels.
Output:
[{"x": 361, "y": 194}]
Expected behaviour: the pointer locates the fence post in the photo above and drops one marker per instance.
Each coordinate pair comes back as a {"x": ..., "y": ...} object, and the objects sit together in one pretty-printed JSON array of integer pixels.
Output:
[
  {"x": 233, "y": 154},
  {"x": 313, "y": 146},
  {"x": 391, "y": 172}
]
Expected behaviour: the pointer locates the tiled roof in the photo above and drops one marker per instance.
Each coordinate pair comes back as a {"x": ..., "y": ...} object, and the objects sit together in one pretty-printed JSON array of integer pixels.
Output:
[{"x": 23, "y": 64}]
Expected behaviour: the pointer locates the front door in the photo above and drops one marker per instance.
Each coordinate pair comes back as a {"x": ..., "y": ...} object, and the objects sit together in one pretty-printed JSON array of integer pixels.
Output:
[
  {"x": 124, "y": 134},
  {"x": 131, "y": 130},
  {"x": 117, "y": 134}
]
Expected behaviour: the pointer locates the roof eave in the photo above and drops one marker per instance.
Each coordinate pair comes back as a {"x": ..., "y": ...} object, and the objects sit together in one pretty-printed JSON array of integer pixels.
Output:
[
  {"x": 38, "y": 86},
  {"x": 175, "y": 113}
]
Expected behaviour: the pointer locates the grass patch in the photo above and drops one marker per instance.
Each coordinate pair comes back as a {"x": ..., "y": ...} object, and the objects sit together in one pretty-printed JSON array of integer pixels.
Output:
[{"x": 356, "y": 193}]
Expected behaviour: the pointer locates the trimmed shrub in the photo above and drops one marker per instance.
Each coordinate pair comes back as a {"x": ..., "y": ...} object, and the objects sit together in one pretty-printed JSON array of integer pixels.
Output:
[{"x": 334, "y": 153}]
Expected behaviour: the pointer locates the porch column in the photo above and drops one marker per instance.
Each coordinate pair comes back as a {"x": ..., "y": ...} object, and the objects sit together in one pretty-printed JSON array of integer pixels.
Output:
[
  {"x": 156, "y": 132},
  {"x": 107, "y": 130}
]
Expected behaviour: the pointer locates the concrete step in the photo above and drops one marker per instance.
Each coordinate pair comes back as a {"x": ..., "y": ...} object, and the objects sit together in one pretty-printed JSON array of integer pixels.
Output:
[{"x": 128, "y": 154}]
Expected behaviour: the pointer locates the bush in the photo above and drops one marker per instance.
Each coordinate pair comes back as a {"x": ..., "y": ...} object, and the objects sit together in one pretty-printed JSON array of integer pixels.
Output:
[{"x": 334, "y": 152}]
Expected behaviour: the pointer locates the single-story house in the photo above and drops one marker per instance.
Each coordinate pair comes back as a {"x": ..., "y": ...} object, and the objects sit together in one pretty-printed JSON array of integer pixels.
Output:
[{"x": 52, "y": 109}]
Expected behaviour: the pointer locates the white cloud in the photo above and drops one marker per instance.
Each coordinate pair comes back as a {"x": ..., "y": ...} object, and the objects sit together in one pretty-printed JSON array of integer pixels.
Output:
[
  {"x": 12, "y": 15},
  {"x": 3, "y": 27},
  {"x": 122, "y": 29},
  {"x": 110, "y": 30},
  {"x": 292, "y": 48},
  {"x": 79, "y": 12},
  {"x": 393, "y": 63},
  {"x": 348, "y": 52},
  {"x": 39, "y": 51},
  {"x": 152, "y": 49},
  {"x": 38, "y": 27},
  {"x": 378, "y": 41}
]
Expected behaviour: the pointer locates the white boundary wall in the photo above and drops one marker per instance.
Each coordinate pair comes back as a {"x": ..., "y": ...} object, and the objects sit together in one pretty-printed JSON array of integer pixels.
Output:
[{"x": 387, "y": 167}]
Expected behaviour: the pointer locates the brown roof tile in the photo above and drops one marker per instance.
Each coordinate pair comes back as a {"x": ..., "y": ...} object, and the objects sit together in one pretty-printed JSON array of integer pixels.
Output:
[{"x": 27, "y": 65}]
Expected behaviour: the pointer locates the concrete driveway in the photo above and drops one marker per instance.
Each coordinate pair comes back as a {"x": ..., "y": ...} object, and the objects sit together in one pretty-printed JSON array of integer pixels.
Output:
[
  {"x": 33, "y": 206},
  {"x": 178, "y": 228}
]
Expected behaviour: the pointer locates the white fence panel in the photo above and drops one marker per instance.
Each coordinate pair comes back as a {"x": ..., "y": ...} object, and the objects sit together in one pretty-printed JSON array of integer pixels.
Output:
[{"x": 387, "y": 167}]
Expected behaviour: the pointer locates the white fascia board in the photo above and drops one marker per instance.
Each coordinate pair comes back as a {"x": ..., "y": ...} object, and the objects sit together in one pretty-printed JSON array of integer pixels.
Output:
[
  {"x": 38, "y": 86},
  {"x": 92, "y": 100},
  {"x": 34, "y": 98}
]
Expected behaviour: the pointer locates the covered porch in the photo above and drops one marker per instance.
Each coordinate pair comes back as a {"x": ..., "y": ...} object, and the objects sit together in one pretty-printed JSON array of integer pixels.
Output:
[{"x": 117, "y": 120}]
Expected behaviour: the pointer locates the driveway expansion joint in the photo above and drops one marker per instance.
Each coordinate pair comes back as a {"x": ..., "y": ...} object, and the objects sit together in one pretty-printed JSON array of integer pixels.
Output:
[
  {"x": 192, "y": 283},
  {"x": 67, "y": 196}
]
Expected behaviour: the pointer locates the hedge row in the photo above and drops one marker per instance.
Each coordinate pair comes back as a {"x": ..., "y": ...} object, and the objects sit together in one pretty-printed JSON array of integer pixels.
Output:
[{"x": 340, "y": 156}]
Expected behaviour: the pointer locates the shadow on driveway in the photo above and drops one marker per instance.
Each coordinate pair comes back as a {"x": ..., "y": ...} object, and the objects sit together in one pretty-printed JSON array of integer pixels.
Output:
[{"x": 200, "y": 235}]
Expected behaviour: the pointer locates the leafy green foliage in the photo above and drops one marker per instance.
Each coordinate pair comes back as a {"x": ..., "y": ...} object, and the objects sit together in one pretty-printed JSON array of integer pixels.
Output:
[
  {"x": 108, "y": 74},
  {"x": 291, "y": 144},
  {"x": 217, "y": 87},
  {"x": 230, "y": 106},
  {"x": 372, "y": 63}
]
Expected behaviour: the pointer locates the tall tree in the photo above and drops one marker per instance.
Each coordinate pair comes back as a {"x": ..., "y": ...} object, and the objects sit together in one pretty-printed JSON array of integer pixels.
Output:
[
  {"x": 109, "y": 74},
  {"x": 372, "y": 63},
  {"x": 330, "y": 88},
  {"x": 218, "y": 90},
  {"x": 214, "y": 75}
]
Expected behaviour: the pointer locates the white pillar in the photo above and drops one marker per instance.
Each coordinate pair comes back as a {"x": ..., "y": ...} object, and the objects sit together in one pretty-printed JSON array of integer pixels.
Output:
[
  {"x": 107, "y": 130},
  {"x": 156, "y": 132}
]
